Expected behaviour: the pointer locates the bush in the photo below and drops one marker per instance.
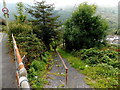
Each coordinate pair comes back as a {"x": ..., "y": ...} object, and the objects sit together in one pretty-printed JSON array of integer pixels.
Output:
[
  {"x": 38, "y": 65},
  {"x": 27, "y": 42},
  {"x": 32, "y": 45},
  {"x": 101, "y": 76},
  {"x": 33, "y": 48},
  {"x": 107, "y": 70},
  {"x": 36, "y": 72},
  {"x": 94, "y": 56},
  {"x": 85, "y": 29},
  {"x": 18, "y": 28}
]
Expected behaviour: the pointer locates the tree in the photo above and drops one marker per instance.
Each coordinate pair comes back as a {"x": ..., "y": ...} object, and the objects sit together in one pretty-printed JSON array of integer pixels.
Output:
[
  {"x": 45, "y": 21},
  {"x": 20, "y": 9},
  {"x": 84, "y": 29}
]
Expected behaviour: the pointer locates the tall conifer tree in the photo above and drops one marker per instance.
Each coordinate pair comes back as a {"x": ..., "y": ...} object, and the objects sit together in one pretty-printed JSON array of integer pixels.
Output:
[{"x": 45, "y": 20}]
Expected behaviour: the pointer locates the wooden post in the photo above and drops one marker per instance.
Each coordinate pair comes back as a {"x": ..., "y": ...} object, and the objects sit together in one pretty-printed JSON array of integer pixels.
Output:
[{"x": 66, "y": 77}]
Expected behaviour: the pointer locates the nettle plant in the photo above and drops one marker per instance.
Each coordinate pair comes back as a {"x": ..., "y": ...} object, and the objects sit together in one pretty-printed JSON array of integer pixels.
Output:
[{"x": 94, "y": 56}]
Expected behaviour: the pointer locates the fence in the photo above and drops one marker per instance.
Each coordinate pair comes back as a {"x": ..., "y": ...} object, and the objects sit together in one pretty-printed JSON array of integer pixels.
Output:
[
  {"x": 21, "y": 72},
  {"x": 66, "y": 68}
]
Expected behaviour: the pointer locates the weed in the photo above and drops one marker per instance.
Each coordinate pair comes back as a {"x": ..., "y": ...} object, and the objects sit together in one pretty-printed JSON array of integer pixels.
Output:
[{"x": 101, "y": 72}]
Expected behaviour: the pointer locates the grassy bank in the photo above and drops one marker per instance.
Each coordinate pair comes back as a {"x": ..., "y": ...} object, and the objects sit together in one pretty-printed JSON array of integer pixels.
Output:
[
  {"x": 98, "y": 75},
  {"x": 37, "y": 71}
]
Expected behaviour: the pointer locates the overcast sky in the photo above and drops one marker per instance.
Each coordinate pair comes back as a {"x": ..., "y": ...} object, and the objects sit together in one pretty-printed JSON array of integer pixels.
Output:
[{"x": 60, "y": 3}]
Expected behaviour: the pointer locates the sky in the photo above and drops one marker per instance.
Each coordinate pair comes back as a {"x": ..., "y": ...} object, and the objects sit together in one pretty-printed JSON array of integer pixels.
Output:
[{"x": 61, "y": 3}]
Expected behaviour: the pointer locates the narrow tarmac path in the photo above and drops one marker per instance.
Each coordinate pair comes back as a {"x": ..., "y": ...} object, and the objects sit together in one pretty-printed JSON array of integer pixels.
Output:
[
  {"x": 1, "y": 60},
  {"x": 6, "y": 65},
  {"x": 56, "y": 76}
]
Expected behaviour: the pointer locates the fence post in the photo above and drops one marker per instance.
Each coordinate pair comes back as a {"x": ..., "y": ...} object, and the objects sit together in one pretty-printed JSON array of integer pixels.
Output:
[{"x": 66, "y": 77}]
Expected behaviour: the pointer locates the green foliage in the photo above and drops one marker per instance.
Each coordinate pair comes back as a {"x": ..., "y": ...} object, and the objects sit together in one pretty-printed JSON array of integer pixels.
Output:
[
  {"x": 29, "y": 44},
  {"x": 74, "y": 61},
  {"x": 94, "y": 56},
  {"x": 18, "y": 28},
  {"x": 101, "y": 76},
  {"x": 33, "y": 46},
  {"x": 84, "y": 29},
  {"x": 38, "y": 65},
  {"x": 45, "y": 21},
  {"x": 56, "y": 41},
  {"x": 36, "y": 60},
  {"x": 101, "y": 67},
  {"x": 36, "y": 73},
  {"x": 20, "y": 8},
  {"x": 20, "y": 18},
  {"x": 3, "y": 28},
  {"x": 107, "y": 70}
]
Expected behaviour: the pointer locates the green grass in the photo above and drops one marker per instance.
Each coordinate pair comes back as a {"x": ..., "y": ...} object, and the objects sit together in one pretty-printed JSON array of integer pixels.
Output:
[
  {"x": 62, "y": 85},
  {"x": 39, "y": 69},
  {"x": 97, "y": 77},
  {"x": 74, "y": 61}
]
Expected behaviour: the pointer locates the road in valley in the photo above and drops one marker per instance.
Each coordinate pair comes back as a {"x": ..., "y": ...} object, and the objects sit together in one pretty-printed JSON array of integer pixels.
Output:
[{"x": 7, "y": 67}]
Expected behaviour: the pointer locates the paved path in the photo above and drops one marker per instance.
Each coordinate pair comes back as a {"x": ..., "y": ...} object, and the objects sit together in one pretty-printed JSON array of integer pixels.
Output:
[
  {"x": 0, "y": 61},
  {"x": 75, "y": 79},
  {"x": 6, "y": 66}
]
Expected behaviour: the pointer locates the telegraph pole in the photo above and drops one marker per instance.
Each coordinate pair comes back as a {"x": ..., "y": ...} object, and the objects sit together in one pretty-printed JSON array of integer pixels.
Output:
[{"x": 5, "y": 11}]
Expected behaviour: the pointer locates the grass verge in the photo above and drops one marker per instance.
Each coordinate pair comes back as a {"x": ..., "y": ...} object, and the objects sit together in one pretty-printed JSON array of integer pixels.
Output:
[
  {"x": 37, "y": 72},
  {"x": 97, "y": 76}
]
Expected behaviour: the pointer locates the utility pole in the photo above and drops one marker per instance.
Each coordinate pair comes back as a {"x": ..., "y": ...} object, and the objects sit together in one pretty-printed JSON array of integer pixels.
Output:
[{"x": 6, "y": 14}]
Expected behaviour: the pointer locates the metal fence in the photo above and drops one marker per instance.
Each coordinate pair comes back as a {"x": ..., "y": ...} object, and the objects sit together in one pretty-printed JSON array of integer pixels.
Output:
[{"x": 21, "y": 72}]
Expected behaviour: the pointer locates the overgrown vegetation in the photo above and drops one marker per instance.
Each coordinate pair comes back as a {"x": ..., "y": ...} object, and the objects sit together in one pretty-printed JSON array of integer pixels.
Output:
[
  {"x": 33, "y": 48},
  {"x": 36, "y": 55},
  {"x": 45, "y": 21},
  {"x": 84, "y": 35},
  {"x": 84, "y": 29},
  {"x": 37, "y": 71},
  {"x": 95, "y": 56},
  {"x": 100, "y": 66}
]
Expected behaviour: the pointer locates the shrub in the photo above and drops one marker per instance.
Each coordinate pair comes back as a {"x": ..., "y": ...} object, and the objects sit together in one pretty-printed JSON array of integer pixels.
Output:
[
  {"x": 85, "y": 29},
  {"x": 107, "y": 70},
  {"x": 94, "y": 56},
  {"x": 36, "y": 72},
  {"x": 33, "y": 48},
  {"x": 18, "y": 28},
  {"x": 38, "y": 65}
]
